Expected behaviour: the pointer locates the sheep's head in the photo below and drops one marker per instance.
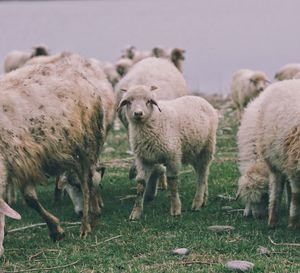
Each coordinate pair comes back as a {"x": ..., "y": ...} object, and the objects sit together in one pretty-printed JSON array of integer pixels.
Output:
[
  {"x": 177, "y": 54},
  {"x": 123, "y": 65},
  {"x": 259, "y": 82},
  {"x": 253, "y": 190},
  {"x": 139, "y": 102},
  {"x": 159, "y": 52},
  {"x": 129, "y": 52},
  {"x": 40, "y": 50}
]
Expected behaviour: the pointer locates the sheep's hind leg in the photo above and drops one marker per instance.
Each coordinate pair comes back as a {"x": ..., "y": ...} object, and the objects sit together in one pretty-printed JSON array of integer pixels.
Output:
[
  {"x": 294, "y": 211},
  {"x": 202, "y": 169},
  {"x": 85, "y": 222},
  {"x": 55, "y": 230},
  {"x": 151, "y": 187},
  {"x": 276, "y": 188}
]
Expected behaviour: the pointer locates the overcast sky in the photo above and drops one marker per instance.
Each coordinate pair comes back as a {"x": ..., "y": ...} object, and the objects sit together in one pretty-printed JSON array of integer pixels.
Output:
[{"x": 220, "y": 36}]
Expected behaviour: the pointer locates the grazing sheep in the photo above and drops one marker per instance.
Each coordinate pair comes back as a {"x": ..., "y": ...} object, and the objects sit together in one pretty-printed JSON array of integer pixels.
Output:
[
  {"x": 52, "y": 120},
  {"x": 172, "y": 132},
  {"x": 16, "y": 59},
  {"x": 123, "y": 65},
  {"x": 277, "y": 127},
  {"x": 287, "y": 72},
  {"x": 245, "y": 86},
  {"x": 70, "y": 183},
  {"x": 253, "y": 184}
]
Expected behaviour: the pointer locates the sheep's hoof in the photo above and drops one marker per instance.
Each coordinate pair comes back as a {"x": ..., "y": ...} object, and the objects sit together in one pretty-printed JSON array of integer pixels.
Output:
[
  {"x": 176, "y": 209},
  {"x": 272, "y": 222},
  {"x": 58, "y": 235},
  {"x": 293, "y": 223},
  {"x": 135, "y": 214},
  {"x": 197, "y": 205},
  {"x": 85, "y": 230}
]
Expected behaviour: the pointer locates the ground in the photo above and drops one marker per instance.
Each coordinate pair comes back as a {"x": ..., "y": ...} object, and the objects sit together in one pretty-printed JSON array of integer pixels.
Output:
[{"x": 118, "y": 245}]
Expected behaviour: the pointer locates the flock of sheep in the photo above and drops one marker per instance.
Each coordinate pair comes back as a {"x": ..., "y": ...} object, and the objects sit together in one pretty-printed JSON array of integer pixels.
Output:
[{"x": 56, "y": 111}]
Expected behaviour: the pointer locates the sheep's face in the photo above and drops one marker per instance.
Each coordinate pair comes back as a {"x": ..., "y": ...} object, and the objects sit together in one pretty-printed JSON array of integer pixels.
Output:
[
  {"x": 258, "y": 83},
  {"x": 177, "y": 54},
  {"x": 253, "y": 190},
  {"x": 139, "y": 102},
  {"x": 159, "y": 52},
  {"x": 129, "y": 52}
]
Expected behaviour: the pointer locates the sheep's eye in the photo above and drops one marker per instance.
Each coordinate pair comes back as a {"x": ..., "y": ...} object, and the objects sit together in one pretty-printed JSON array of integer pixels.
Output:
[{"x": 254, "y": 81}]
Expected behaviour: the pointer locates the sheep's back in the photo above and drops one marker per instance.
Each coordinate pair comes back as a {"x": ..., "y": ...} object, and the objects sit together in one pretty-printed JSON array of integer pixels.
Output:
[
  {"x": 279, "y": 127},
  {"x": 193, "y": 120},
  {"x": 47, "y": 111}
]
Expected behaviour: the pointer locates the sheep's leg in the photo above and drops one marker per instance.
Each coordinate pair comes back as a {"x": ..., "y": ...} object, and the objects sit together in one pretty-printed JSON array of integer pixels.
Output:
[
  {"x": 85, "y": 222},
  {"x": 294, "y": 212},
  {"x": 288, "y": 193},
  {"x": 202, "y": 169},
  {"x": 151, "y": 185},
  {"x": 175, "y": 199},
  {"x": 162, "y": 182},
  {"x": 96, "y": 202},
  {"x": 56, "y": 231},
  {"x": 144, "y": 173},
  {"x": 138, "y": 205},
  {"x": 275, "y": 188}
]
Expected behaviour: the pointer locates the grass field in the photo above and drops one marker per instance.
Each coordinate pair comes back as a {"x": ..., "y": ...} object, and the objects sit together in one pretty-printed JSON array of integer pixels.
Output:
[{"x": 117, "y": 245}]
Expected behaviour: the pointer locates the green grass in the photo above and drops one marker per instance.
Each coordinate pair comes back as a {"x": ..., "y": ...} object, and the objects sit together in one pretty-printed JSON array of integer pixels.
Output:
[{"x": 146, "y": 246}]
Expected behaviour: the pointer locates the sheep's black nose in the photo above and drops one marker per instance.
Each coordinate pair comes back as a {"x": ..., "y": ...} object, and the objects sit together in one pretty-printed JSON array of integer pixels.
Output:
[
  {"x": 261, "y": 89},
  {"x": 138, "y": 113}
]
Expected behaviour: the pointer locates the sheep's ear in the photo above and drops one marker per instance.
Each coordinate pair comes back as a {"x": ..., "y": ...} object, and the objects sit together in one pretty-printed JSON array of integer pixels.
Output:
[
  {"x": 8, "y": 211},
  {"x": 268, "y": 81},
  {"x": 121, "y": 104},
  {"x": 153, "y": 102},
  {"x": 153, "y": 87}
]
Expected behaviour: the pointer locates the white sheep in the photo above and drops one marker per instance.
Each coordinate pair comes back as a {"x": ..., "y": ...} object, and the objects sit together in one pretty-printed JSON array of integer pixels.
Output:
[
  {"x": 159, "y": 52},
  {"x": 245, "y": 86},
  {"x": 128, "y": 52},
  {"x": 16, "y": 59},
  {"x": 278, "y": 131},
  {"x": 153, "y": 71},
  {"x": 123, "y": 65},
  {"x": 52, "y": 120},
  {"x": 253, "y": 185},
  {"x": 171, "y": 132},
  {"x": 287, "y": 72}
]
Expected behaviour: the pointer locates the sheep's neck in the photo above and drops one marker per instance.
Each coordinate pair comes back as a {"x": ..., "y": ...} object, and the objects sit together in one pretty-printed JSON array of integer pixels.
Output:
[{"x": 146, "y": 141}]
